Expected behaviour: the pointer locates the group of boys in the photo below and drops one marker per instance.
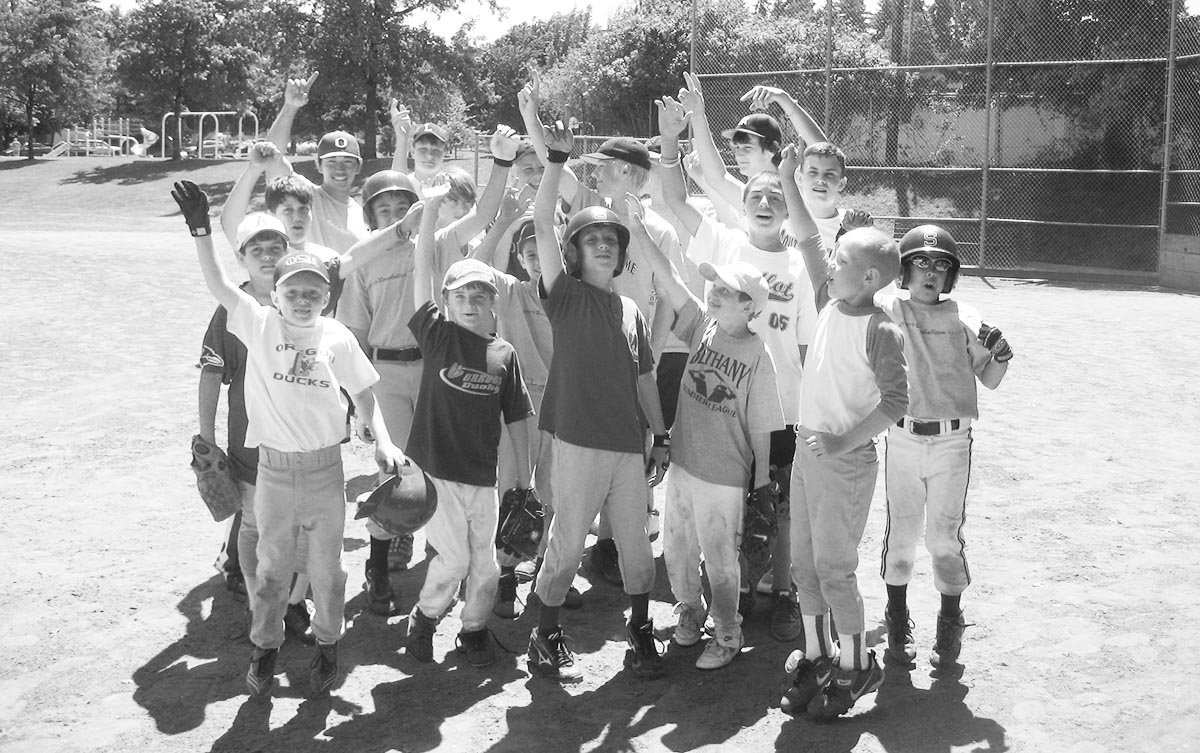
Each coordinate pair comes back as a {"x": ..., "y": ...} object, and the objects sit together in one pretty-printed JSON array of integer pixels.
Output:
[{"x": 765, "y": 325}]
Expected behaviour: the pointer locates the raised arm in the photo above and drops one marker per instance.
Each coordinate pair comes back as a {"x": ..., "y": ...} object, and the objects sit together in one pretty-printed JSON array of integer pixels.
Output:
[
  {"x": 672, "y": 120},
  {"x": 295, "y": 96},
  {"x": 665, "y": 273},
  {"x": 504, "y": 149},
  {"x": 194, "y": 204},
  {"x": 262, "y": 154},
  {"x": 396, "y": 237},
  {"x": 495, "y": 248},
  {"x": 724, "y": 186},
  {"x": 402, "y": 124},
  {"x": 730, "y": 216},
  {"x": 800, "y": 220},
  {"x": 558, "y": 141},
  {"x": 427, "y": 241},
  {"x": 528, "y": 101},
  {"x": 761, "y": 97}
]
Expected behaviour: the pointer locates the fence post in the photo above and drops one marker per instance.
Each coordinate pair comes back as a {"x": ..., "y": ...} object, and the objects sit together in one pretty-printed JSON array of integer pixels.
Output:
[
  {"x": 829, "y": 10},
  {"x": 987, "y": 133},
  {"x": 692, "y": 44},
  {"x": 1169, "y": 115}
]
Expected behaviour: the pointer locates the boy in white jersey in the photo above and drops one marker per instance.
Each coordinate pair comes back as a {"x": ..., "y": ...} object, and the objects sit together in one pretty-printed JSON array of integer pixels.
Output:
[
  {"x": 298, "y": 363},
  {"x": 785, "y": 325},
  {"x": 854, "y": 387},
  {"x": 929, "y": 450}
]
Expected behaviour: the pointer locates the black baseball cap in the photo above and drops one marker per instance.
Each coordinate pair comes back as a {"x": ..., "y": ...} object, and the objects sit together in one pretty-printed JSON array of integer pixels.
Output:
[
  {"x": 623, "y": 148},
  {"x": 757, "y": 124}
]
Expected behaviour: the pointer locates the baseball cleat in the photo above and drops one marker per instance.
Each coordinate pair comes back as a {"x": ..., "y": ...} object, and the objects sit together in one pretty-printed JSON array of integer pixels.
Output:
[
  {"x": 810, "y": 679},
  {"x": 948, "y": 644},
  {"x": 900, "y": 638},
  {"x": 323, "y": 674},
  {"x": 260, "y": 678},
  {"x": 550, "y": 657},
  {"x": 642, "y": 655},
  {"x": 846, "y": 687}
]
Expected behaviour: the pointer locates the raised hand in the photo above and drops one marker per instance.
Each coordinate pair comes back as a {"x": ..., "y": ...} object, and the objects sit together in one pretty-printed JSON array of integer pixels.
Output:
[
  {"x": 262, "y": 154},
  {"x": 789, "y": 160},
  {"x": 193, "y": 202},
  {"x": 436, "y": 190},
  {"x": 692, "y": 96},
  {"x": 512, "y": 206},
  {"x": 296, "y": 91},
  {"x": 558, "y": 137},
  {"x": 402, "y": 122},
  {"x": 761, "y": 97},
  {"x": 505, "y": 142},
  {"x": 635, "y": 207},
  {"x": 672, "y": 117},
  {"x": 529, "y": 99},
  {"x": 854, "y": 218}
]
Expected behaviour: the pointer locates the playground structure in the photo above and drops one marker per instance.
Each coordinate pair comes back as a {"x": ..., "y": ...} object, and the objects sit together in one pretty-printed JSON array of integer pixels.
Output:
[
  {"x": 105, "y": 136},
  {"x": 214, "y": 144}
]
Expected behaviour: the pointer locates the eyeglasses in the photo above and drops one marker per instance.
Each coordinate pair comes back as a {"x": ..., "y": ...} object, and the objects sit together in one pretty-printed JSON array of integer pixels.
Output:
[{"x": 924, "y": 262}]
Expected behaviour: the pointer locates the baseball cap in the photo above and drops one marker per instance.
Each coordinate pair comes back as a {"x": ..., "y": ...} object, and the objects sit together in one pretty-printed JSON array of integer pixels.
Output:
[
  {"x": 294, "y": 263},
  {"x": 467, "y": 271},
  {"x": 338, "y": 144},
  {"x": 757, "y": 124},
  {"x": 524, "y": 233},
  {"x": 623, "y": 148},
  {"x": 430, "y": 129},
  {"x": 740, "y": 276},
  {"x": 259, "y": 222}
]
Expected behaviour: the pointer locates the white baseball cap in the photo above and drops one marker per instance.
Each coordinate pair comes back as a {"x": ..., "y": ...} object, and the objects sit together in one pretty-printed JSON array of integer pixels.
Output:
[{"x": 257, "y": 223}]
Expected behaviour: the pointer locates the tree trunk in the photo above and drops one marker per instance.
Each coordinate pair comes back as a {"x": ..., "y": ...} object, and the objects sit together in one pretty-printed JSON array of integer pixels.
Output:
[
  {"x": 29, "y": 124},
  {"x": 178, "y": 113},
  {"x": 891, "y": 155}
]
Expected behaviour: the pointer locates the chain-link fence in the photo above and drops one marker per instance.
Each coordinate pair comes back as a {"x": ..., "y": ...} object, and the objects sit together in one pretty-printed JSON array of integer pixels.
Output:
[{"x": 1043, "y": 141}]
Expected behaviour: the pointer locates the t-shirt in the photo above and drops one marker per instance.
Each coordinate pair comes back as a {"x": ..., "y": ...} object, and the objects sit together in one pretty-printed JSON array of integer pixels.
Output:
[
  {"x": 944, "y": 356},
  {"x": 601, "y": 346},
  {"x": 727, "y": 394},
  {"x": 788, "y": 320},
  {"x": 224, "y": 354},
  {"x": 467, "y": 382},
  {"x": 378, "y": 299},
  {"x": 855, "y": 365},
  {"x": 829, "y": 228},
  {"x": 336, "y": 224},
  {"x": 295, "y": 377}
]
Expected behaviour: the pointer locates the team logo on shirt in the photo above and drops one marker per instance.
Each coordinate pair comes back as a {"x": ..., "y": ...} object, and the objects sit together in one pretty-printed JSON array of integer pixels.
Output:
[
  {"x": 471, "y": 381},
  {"x": 209, "y": 357},
  {"x": 715, "y": 380},
  {"x": 303, "y": 367},
  {"x": 780, "y": 290}
]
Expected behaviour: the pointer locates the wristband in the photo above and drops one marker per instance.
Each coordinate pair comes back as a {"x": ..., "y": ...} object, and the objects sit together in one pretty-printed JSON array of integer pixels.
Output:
[
  {"x": 497, "y": 162},
  {"x": 662, "y": 440},
  {"x": 557, "y": 158},
  {"x": 200, "y": 232},
  {"x": 670, "y": 162}
]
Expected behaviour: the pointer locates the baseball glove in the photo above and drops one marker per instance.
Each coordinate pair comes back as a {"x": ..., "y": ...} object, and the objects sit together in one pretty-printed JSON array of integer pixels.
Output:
[
  {"x": 214, "y": 479},
  {"x": 760, "y": 529},
  {"x": 521, "y": 519},
  {"x": 993, "y": 339}
]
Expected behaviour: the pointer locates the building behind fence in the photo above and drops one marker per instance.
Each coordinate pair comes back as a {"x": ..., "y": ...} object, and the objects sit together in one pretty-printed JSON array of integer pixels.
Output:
[{"x": 1059, "y": 166}]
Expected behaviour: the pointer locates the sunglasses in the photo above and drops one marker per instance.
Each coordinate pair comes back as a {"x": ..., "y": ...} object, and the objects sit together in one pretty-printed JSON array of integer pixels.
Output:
[{"x": 924, "y": 262}]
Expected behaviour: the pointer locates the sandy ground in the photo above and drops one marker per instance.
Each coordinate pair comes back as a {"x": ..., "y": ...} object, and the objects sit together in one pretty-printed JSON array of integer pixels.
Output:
[{"x": 118, "y": 634}]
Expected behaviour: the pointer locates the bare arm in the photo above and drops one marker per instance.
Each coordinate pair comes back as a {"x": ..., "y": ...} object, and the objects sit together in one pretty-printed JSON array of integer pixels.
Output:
[
  {"x": 210, "y": 394},
  {"x": 193, "y": 203},
  {"x": 518, "y": 433},
  {"x": 672, "y": 120},
  {"x": 237, "y": 204},
  {"x": 800, "y": 220},
  {"x": 761, "y": 97},
  {"x": 665, "y": 273},
  {"x": 504, "y": 148},
  {"x": 760, "y": 445},
  {"x": 712, "y": 167},
  {"x": 388, "y": 456},
  {"x": 427, "y": 242},
  {"x": 295, "y": 96},
  {"x": 558, "y": 141},
  {"x": 396, "y": 237},
  {"x": 497, "y": 241},
  {"x": 656, "y": 465},
  {"x": 528, "y": 101},
  {"x": 727, "y": 214},
  {"x": 402, "y": 124}
]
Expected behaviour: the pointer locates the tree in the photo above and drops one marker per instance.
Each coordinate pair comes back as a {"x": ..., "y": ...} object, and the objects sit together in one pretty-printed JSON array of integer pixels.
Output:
[
  {"x": 49, "y": 60},
  {"x": 179, "y": 54}
]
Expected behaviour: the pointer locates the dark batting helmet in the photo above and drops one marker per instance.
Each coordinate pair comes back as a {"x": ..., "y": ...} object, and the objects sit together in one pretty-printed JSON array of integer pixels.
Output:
[
  {"x": 403, "y": 503},
  {"x": 933, "y": 241},
  {"x": 584, "y": 219},
  {"x": 387, "y": 181}
]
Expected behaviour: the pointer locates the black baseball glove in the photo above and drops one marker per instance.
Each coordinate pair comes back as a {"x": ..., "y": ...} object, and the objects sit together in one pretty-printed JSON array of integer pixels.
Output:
[
  {"x": 760, "y": 529},
  {"x": 993, "y": 339},
  {"x": 520, "y": 526}
]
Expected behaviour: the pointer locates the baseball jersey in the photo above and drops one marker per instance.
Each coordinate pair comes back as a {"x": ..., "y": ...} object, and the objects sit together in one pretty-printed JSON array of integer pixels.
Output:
[
  {"x": 601, "y": 346},
  {"x": 378, "y": 300},
  {"x": 224, "y": 354},
  {"x": 944, "y": 356},
  {"x": 788, "y": 320},
  {"x": 295, "y": 377},
  {"x": 855, "y": 365},
  {"x": 467, "y": 381},
  {"x": 336, "y": 224},
  {"x": 727, "y": 394}
]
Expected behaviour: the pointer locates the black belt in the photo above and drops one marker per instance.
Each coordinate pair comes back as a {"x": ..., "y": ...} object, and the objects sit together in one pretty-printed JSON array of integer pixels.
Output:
[
  {"x": 928, "y": 428},
  {"x": 403, "y": 355}
]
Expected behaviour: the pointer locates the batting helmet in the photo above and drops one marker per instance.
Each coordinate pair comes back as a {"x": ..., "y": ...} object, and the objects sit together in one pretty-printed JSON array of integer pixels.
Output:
[
  {"x": 402, "y": 504},
  {"x": 933, "y": 241},
  {"x": 387, "y": 181},
  {"x": 586, "y": 218}
]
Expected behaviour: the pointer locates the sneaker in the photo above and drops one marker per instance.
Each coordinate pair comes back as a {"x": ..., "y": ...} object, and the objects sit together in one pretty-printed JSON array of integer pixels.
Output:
[
  {"x": 297, "y": 622},
  {"x": 528, "y": 570},
  {"x": 235, "y": 583},
  {"x": 690, "y": 625},
  {"x": 323, "y": 674},
  {"x": 900, "y": 638},
  {"x": 478, "y": 645},
  {"x": 949, "y": 639},
  {"x": 847, "y": 686},
  {"x": 811, "y": 677},
  {"x": 720, "y": 651},
  {"x": 506, "y": 606},
  {"x": 550, "y": 657},
  {"x": 746, "y": 600},
  {"x": 420, "y": 635},
  {"x": 606, "y": 561},
  {"x": 786, "y": 624},
  {"x": 400, "y": 551},
  {"x": 381, "y": 599},
  {"x": 642, "y": 655},
  {"x": 260, "y": 678}
]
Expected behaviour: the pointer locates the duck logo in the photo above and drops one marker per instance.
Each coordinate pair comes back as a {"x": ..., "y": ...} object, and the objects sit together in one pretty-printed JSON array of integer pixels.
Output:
[
  {"x": 470, "y": 381},
  {"x": 303, "y": 365}
]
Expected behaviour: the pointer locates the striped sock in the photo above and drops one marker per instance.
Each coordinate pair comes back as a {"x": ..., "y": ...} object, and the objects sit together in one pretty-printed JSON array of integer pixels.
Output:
[
  {"x": 818, "y": 641},
  {"x": 854, "y": 652}
]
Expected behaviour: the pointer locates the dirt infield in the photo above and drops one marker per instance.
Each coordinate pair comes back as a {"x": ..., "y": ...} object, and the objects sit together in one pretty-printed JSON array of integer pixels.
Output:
[{"x": 119, "y": 636}]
